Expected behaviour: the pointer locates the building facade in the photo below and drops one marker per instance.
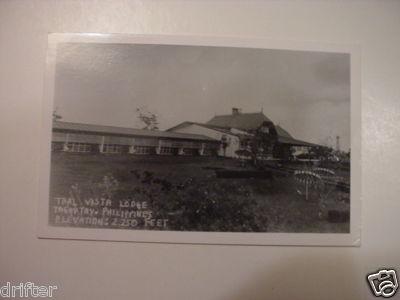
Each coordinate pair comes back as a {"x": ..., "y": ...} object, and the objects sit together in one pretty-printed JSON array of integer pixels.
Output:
[
  {"x": 226, "y": 135},
  {"x": 230, "y": 141},
  {"x": 246, "y": 131},
  {"x": 88, "y": 138}
]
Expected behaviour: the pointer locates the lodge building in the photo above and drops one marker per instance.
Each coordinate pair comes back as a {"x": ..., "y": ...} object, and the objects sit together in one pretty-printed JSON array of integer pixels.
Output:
[
  {"x": 88, "y": 138},
  {"x": 223, "y": 135},
  {"x": 236, "y": 131}
]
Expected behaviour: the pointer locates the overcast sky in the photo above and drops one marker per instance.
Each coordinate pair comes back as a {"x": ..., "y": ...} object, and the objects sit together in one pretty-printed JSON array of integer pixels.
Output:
[{"x": 307, "y": 93}]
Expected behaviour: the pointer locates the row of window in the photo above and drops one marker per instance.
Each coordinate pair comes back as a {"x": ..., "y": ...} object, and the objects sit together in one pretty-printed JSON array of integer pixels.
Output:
[
  {"x": 167, "y": 151},
  {"x": 114, "y": 149},
  {"x": 142, "y": 150},
  {"x": 78, "y": 147},
  {"x": 85, "y": 148},
  {"x": 107, "y": 148}
]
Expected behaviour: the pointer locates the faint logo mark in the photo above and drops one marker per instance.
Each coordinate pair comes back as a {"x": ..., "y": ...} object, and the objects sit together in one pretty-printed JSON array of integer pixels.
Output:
[{"x": 383, "y": 283}]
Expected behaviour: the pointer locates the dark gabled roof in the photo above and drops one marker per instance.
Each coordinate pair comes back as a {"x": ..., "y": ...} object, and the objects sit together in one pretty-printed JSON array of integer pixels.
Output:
[
  {"x": 282, "y": 132},
  {"x": 123, "y": 131},
  {"x": 243, "y": 121},
  {"x": 293, "y": 142},
  {"x": 285, "y": 137}
]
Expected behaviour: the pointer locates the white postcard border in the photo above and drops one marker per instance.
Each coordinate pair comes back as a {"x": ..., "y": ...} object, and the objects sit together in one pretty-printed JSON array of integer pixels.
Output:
[{"x": 44, "y": 230}]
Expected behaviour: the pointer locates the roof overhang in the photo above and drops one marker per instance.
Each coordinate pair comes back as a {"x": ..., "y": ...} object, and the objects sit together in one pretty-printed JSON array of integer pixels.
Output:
[{"x": 294, "y": 142}]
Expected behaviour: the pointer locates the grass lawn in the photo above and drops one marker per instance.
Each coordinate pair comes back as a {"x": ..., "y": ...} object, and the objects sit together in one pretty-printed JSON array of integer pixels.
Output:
[{"x": 186, "y": 192}]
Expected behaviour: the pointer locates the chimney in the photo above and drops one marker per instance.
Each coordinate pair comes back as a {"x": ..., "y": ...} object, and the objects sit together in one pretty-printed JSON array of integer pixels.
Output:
[{"x": 236, "y": 111}]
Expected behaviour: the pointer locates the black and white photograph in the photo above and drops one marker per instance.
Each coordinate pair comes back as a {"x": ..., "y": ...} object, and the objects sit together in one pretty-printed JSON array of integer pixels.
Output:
[{"x": 159, "y": 137}]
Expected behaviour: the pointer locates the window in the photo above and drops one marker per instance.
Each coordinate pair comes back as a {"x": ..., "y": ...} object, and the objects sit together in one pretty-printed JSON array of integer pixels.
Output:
[
  {"x": 264, "y": 129},
  {"x": 167, "y": 151},
  {"x": 55, "y": 146},
  {"x": 143, "y": 150},
  {"x": 190, "y": 151},
  {"x": 112, "y": 148},
  {"x": 243, "y": 144},
  {"x": 79, "y": 147},
  {"x": 209, "y": 152}
]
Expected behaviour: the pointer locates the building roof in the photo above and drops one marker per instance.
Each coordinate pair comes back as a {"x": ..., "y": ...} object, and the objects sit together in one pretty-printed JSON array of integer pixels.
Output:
[
  {"x": 217, "y": 128},
  {"x": 282, "y": 132},
  {"x": 284, "y": 137},
  {"x": 293, "y": 142},
  {"x": 244, "y": 121},
  {"x": 123, "y": 131}
]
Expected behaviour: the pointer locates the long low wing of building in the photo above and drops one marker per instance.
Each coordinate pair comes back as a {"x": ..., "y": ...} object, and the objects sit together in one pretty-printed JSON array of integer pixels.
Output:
[{"x": 89, "y": 138}]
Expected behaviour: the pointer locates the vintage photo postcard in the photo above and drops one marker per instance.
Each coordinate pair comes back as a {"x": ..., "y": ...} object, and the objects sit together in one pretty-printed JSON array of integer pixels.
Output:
[{"x": 213, "y": 140}]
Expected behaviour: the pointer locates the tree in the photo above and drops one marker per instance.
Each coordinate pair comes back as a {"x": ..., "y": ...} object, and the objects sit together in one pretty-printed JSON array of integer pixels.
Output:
[
  {"x": 149, "y": 119},
  {"x": 56, "y": 117},
  {"x": 323, "y": 152},
  {"x": 263, "y": 141}
]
